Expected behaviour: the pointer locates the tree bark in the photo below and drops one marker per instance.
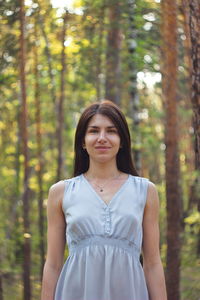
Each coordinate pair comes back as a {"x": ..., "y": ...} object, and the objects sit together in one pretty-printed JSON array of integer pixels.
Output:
[
  {"x": 48, "y": 54},
  {"x": 1, "y": 286},
  {"x": 39, "y": 166},
  {"x": 134, "y": 98},
  {"x": 194, "y": 22},
  {"x": 24, "y": 133},
  {"x": 195, "y": 42},
  {"x": 184, "y": 8},
  {"x": 113, "y": 68},
  {"x": 100, "y": 78},
  {"x": 174, "y": 202},
  {"x": 187, "y": 43},
  {"x": 52, "y": 143},
  {"x": 60, "y": 105}
]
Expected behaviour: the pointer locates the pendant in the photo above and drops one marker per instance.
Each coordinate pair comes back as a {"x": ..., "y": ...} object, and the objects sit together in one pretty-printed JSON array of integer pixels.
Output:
[{"x": 101, "y": 190}]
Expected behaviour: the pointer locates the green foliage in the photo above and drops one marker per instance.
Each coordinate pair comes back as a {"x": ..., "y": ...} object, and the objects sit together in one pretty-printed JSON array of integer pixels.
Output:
[{"x": 190, "y": 263}]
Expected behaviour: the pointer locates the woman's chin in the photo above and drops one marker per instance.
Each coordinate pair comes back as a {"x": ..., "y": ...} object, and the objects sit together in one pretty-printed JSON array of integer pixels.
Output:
[{"x": 103, "y": 159}]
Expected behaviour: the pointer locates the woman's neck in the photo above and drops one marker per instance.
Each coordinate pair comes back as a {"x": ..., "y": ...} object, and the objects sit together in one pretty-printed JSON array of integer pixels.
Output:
[{"x": 101, "y": 171}]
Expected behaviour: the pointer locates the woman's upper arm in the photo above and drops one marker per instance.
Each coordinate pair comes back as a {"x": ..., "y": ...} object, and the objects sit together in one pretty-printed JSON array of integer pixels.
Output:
[
  {"x": 151, "y": 250},
  {"x": 56, "y": 225}
]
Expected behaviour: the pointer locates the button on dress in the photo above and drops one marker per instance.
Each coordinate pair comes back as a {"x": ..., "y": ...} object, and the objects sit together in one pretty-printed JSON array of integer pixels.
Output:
[{"x": 104, "y": 242}]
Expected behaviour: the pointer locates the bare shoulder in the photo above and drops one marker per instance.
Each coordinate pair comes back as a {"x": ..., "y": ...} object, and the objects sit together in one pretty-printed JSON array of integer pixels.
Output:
[
  {"x": 151, "y": 188},
  {"x": 56, "y": 192},
  {"x": 57, "y": 187},
  {"x": 152, "y": 195}
]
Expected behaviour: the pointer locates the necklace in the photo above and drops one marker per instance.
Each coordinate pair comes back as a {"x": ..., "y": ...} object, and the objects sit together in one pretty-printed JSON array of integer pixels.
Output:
[{"x": 101, "y": 188}]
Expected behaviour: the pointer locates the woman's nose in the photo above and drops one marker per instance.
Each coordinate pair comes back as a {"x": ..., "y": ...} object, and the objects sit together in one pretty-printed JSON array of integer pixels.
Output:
[{"x": 102, "y": 136}]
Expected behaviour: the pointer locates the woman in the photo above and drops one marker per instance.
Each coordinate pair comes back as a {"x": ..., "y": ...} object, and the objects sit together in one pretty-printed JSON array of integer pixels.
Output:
[{"x": 108, "y": 214}]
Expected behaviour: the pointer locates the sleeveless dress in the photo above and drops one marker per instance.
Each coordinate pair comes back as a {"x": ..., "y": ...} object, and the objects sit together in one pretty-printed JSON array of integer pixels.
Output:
[{"x": 104, "y": 242}]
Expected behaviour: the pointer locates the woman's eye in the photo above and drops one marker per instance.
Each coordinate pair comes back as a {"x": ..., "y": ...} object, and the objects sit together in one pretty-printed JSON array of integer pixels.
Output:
[
  {"x": 93, "y": 131},
  {"x": 112, "y": 131}
]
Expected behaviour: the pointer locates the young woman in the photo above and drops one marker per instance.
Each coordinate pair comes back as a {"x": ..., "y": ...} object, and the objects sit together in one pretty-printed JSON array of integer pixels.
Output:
[{"x": 108, "y": 214}]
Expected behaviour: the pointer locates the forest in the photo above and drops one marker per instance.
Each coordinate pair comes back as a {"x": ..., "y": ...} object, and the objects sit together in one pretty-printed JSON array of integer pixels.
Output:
[{"x": 56, "y": 58}]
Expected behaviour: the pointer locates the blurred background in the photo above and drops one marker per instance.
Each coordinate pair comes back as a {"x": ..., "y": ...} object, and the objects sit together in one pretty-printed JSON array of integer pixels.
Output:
[{"x": 56, "y": 58}]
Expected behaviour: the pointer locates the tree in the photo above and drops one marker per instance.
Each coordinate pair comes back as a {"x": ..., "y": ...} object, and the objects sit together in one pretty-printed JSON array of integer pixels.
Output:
[
  {"x": 24, "y": 133},
  {"x": 113, "y": 65},
  {"x": 134, "y": 97},
  {"x": 1, "y": 287},
  {"x": 40, "y": 164},
  {"x": 194, "y": 22},
  {"x": 60, "y": 111},
  {"x": 169, "y": 15}
]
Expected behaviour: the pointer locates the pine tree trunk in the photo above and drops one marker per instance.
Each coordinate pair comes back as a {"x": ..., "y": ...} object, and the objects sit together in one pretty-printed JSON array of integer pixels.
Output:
[
  {"x": 39, "y": 167},
  {"x": 100, "y": 84},
  {"x": 113, "y": 68},
  {"x": 60, "y": 108},
  {"x": 13, "y": 217},
  {"x": 52, "y": 141},
  {"x": 195, "y": 42},
  {"x": 134, "y": 98},
  {"x": 187, "y": 42},
  {"x": 24, "y": 133},
  {"x": 48, "y": 55},
  {"x": 174, "y": 202},
  {"x": 188, "y": 62},
  {"x": 1, "y": 286}
]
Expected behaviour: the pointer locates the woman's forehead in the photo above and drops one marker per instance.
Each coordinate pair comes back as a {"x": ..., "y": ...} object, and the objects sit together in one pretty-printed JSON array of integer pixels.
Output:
[{"x": 100, "y": 120}]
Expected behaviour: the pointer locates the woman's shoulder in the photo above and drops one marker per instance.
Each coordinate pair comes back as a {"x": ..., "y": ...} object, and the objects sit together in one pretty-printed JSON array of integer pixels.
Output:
[
  {"x": 60, "y": 185},
  {"x": 56, "y": 190}
]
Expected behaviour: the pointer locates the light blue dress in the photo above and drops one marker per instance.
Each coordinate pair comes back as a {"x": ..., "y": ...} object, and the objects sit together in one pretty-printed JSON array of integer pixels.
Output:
[{"x": 104, "y": 242}]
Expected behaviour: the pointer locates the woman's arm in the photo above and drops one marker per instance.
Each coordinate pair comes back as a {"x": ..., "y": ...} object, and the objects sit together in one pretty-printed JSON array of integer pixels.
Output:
[
  {"x": 153, "y": 269},
  {"x": 55, "y": 241}
]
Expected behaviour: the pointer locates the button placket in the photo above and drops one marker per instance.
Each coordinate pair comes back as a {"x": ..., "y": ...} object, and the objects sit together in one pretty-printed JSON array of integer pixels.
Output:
[{"x": 107, "y": 221}]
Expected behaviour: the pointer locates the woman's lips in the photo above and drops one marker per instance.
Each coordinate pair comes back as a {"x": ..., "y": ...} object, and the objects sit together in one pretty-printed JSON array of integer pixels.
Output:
[{"x": 102, "y": 148}]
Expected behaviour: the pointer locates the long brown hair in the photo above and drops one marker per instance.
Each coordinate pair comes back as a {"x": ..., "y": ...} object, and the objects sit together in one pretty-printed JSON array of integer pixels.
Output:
[{"x": 112, "y": 111}]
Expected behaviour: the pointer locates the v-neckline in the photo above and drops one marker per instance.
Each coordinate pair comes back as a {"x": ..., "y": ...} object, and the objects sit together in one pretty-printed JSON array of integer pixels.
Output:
[{"x": 99, "y": 197}]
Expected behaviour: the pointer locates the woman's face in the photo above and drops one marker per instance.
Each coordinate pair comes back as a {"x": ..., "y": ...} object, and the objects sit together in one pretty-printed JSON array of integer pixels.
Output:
[{"x": 102, "y": 140}]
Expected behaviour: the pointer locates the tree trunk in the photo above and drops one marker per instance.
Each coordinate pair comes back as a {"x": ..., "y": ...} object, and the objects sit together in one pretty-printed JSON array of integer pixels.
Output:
[
  {"x": 48, "y": 54},
  {"x": 60, "y": 108},
  {"x": 100, "y": 78},
  {"x": 134, "y": 98},
  {"x": 174, "y": 202},
  {"x": 24, "y": 133},
  {"x": 113, "y": 68},
  {"x": 39, "y": 167},
  {"x": 184, "y": 8},
  {"x": 1, "y": 286},
  {"x": 195, "y": 42},
  {"x": 52, "y": 142},
  {"x": 187, "y": 43},
  {"x": 194, "y": 22},
  {"x": 13, "y": 217}
]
